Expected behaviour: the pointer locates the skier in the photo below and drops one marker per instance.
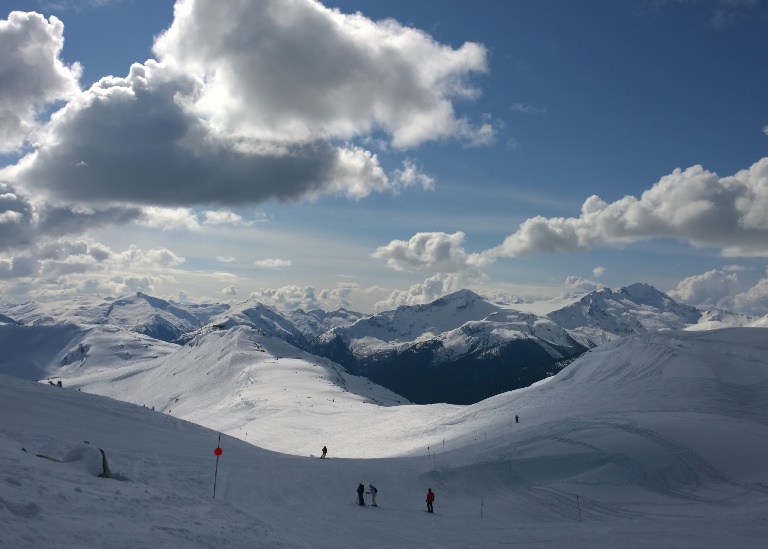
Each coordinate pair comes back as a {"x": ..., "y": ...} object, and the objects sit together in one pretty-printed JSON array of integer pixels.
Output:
[
  {"x": 430, "y": 499},
  {"x": 325, "y": 451},
  {"x": 517, "y": 419},
  {"x": 360, "y": 492},
  {"x": 373, "y": 491}
]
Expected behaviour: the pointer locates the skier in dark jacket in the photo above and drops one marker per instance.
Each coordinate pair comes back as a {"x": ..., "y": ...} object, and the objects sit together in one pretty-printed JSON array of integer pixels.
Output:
[
  {"x": 430, "y": 499},
  {"x": 325, "y": 451},
  {"x": 360, "y": 492}
]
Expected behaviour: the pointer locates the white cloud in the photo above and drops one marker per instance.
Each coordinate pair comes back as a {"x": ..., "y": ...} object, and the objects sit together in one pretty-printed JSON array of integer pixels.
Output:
[
  {"x": 61, "y": 268},
  {"x": 410, "y": 175},
  {"x": 754, "y": 300},
  {"x": 765, "y": 130},
  {"x": 225, "y": 259},
  {"x": 153, "y": 258},
  {"x": 229, "y": 291},
  {"x": 576, "y": 285},
  {"x": 288, "y": 297},
  {"x": 133, "y": 284},
  {"x": 273, "y": 263},
  {"x": 693, "y": 205},
  {"x": 528, "y": 109},
  {"x": 328, "y": 74},
  {"x": 223, "y": 216},
  {"x": 710, "y": 289},
  {"x": 223, "y": 276},
  {"x": 435, "y": 251},
  {"x": 31, "y": 74},
  {"x": 598, "y": 272},
  {"x": 7, "y": 217},
  {"x": 291, "y": 297},
  {"x": 736, "y": 268},
  {"x": 338, "y": 297},
  {"x": 170, "y": 218},
  {"x": 52, "y": 261},
  {"x": 95, "y": 286},
  {"x": 432, "y": 288},
  {"x": 249, "y": 102}
]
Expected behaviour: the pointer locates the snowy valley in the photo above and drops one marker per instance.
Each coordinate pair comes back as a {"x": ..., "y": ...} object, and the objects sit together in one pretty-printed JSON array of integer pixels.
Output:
[{"x": 650, "y": 440}]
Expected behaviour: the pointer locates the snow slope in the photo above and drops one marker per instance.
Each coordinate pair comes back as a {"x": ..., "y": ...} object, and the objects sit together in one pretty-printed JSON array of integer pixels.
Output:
[
  {"x": 243, "y": 382},
  {"x": 661, "y": 436},
  {"x": 60, "y": 351},
  {"x": 715, "y": 318}
]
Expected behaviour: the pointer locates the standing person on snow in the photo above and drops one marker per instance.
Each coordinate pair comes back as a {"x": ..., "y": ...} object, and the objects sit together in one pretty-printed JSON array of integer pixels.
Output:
[
  {"x": 373, "y": 491},
  {"x": 517, "y": 419},
  {"x": 360, "y": 492},
  {"x": 325, "y": 451},
  {"x": 430, "y": 499}
]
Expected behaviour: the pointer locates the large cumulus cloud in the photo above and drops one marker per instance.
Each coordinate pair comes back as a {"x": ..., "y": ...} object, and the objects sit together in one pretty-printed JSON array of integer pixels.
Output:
[
  {"x": 755, "y": 299},
  {"x": 432, "y": 288},
  {"x": 710, "y": 289},
  {"x": 31, "y": 74},
  {"x": 429, "y": 251},
  {"x": 297, "y": 71},
  {"x": 693, "y": 205},
  {"x": 251, "y": 101},
  {"x": 292, "y": 297}
]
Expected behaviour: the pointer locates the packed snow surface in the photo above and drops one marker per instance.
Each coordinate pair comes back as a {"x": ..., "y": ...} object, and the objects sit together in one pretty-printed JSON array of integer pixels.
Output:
[{"x": 654, "y": 440}]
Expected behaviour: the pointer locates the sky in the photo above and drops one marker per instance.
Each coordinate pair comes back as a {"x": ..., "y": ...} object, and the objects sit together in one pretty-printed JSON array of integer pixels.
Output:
[
  {"x": 368, "y": 154},
  {"x": 656, "y": 440}
]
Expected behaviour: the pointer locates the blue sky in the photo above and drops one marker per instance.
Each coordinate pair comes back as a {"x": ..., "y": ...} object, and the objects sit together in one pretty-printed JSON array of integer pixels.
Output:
[{"x": 384, "y": 153}]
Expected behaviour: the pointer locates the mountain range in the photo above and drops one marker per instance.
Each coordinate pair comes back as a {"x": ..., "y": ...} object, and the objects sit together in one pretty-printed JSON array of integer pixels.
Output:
[{"x": 460, "y": 349}]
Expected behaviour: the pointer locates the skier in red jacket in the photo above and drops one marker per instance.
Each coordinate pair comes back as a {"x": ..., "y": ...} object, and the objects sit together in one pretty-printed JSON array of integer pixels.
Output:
[{"x": 430, "y": 499}]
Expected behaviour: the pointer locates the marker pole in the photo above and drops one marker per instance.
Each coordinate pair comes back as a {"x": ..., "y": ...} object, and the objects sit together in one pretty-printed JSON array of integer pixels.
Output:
[{"x": 217, "y": 452}]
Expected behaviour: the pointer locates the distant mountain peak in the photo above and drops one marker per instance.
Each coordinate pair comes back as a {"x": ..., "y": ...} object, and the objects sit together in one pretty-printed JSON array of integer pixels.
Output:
[
  {"x": 460, "y": 299},
  {"x": 645, "y": 293},
  {"x": 605, "y": 314},
  {"x": 464, "y": 294}
]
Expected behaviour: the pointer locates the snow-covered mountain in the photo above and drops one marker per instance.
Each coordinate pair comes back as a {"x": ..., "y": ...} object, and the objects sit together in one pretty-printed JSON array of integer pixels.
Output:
[
  {"x": 419, "y": 322},
  {"x": 461, "y": 348},
  {"x": 605, "y": 315},
  {"x": 58, "y": 351},
  {"x": 315, "y": 322},
  {"x": 760, "y": 322},
  {"x": 261, "y": 317},
  {"x": 235, "y": 381},
  {"x": 714, "y": 318},
  {"x": 141, "y": 313},
  {"x": 653, "y": 440}
]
